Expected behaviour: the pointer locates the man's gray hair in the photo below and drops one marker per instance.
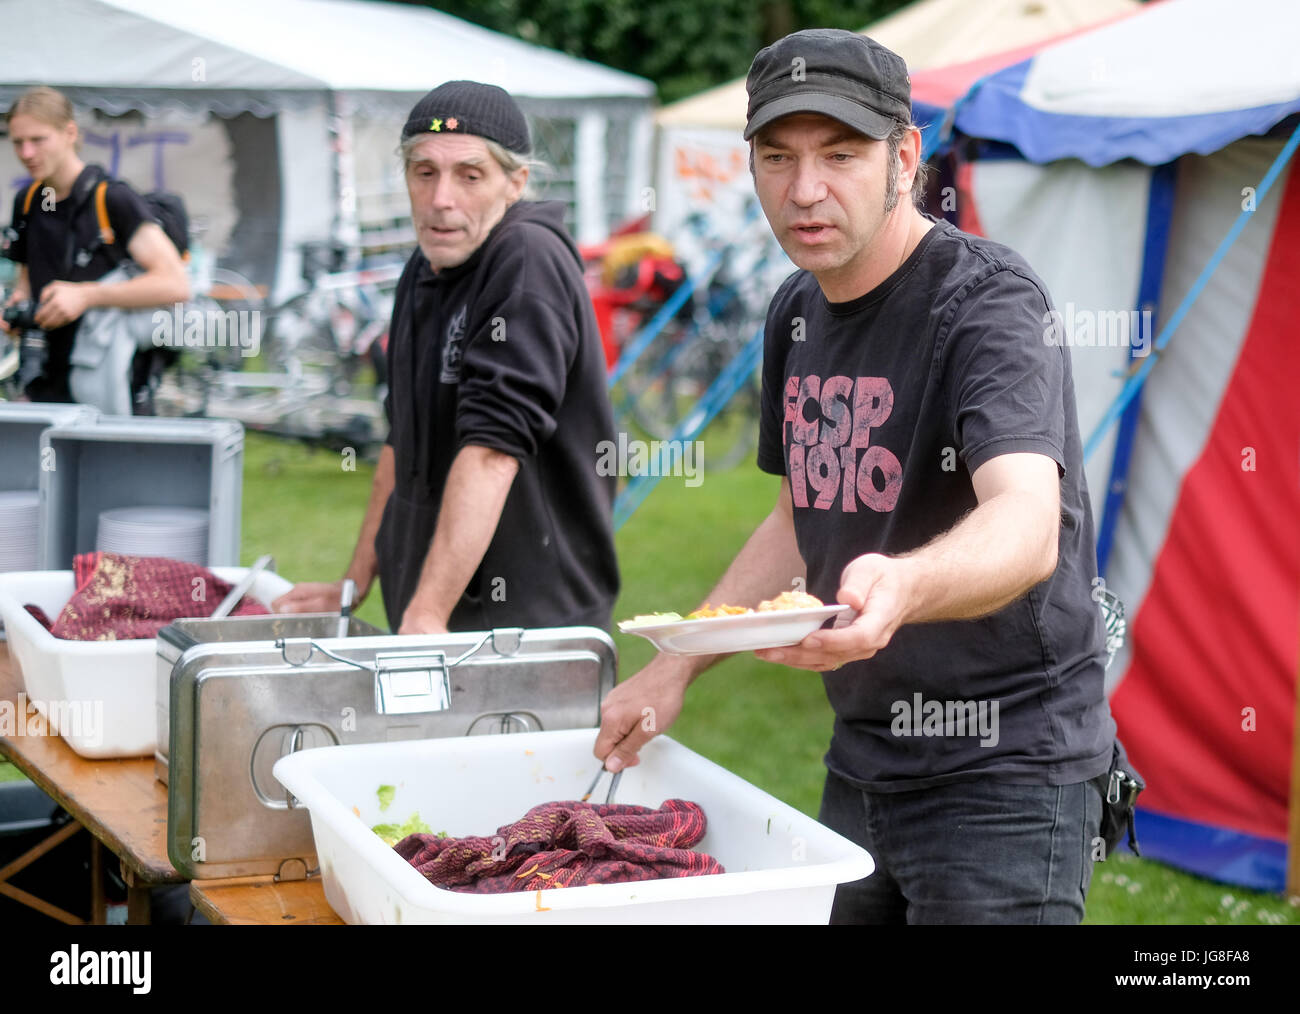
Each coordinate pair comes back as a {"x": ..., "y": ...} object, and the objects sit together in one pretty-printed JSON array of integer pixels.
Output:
[{"x": 509, "y": 161}]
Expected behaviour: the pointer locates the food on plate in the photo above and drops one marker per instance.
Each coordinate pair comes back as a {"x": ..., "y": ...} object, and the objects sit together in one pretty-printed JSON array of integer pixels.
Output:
[
  {"x": 648, "y": 620},
  {"x": 706, "y": 611},
  {"x": 790, "y": 600},
  {"x": 385, "y": 794},
  {"x": 786, "y": 600}
]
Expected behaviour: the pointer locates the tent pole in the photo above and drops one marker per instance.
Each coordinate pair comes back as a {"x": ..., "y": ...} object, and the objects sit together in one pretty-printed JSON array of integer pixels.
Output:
[
  {"x": 344, "y": 230},
  {"x": 1160, "y": 213}
]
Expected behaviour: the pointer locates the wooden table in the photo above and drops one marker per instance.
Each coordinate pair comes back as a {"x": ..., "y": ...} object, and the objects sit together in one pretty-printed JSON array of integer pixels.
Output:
[
  {"x": 118, "y": 801},
  {"x": 242, "y": 901},
  {"x": 124, "y": 807}
]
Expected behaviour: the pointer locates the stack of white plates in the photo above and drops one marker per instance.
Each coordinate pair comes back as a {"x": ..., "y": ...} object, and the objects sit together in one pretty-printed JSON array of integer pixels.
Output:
[
  {"x": 178, "y": 533},
  {"x": 20, "y": 518}
]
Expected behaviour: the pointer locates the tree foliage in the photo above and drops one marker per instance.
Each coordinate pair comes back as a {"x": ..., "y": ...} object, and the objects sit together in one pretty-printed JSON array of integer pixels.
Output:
[{"x": 681, "y": 45}]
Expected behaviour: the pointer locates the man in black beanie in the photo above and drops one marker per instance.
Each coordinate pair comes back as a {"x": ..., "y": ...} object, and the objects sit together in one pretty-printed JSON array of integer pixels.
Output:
[{"x": 487, "y": 510}]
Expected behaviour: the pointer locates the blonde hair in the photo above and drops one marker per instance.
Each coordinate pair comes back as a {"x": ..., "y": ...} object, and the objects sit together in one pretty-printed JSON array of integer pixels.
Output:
[
  {"x": 49, "y": 105},
  {"x": 45, "y": 104}
]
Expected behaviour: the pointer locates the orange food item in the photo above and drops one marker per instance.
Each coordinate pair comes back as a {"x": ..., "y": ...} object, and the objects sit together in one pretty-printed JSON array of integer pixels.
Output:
[{"x": 707, "y": 611}]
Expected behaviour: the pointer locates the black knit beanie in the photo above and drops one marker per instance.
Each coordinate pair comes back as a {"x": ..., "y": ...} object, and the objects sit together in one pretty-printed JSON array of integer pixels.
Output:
[{"x": 469, "y": 107}]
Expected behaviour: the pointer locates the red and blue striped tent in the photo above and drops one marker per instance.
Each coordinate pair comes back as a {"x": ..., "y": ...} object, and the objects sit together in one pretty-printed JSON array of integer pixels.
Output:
[{"x": 1143, "y": 167}]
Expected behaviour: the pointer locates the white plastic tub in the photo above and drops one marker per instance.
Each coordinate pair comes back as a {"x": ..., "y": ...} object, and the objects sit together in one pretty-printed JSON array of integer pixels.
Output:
[
  {"x": 781, "y": 866},
  {"x": 98, "y": 695}
]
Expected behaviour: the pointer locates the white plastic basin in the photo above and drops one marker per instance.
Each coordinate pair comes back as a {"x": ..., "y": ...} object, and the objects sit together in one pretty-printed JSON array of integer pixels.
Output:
[
  {"x": 98, "y": 695},
  {"x": 781, "y": 865}
]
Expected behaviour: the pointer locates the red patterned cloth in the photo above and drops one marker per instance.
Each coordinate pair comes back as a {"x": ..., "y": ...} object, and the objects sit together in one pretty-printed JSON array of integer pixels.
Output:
[
  {"x": 568, "y": 845},
  {"x": 120, "y": 598}
]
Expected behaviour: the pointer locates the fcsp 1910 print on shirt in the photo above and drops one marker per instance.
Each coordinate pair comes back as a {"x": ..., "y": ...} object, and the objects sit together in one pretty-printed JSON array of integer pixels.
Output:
[{"x": 828, "y": 443}]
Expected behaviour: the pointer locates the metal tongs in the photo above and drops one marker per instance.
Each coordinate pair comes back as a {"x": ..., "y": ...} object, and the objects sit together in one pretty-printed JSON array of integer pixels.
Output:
[
  {"x": 613, "y": 785},
  {"x": 345, "y": 606},
  {"x": 241, "y": 589}
]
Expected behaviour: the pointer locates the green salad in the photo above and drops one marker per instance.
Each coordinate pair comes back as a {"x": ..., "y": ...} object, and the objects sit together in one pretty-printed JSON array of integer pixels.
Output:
[{"x": 391, "y": 834}]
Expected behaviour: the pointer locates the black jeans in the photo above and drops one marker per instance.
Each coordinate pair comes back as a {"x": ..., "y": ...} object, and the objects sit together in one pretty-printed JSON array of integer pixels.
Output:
[{"x": 971, "y": 852}]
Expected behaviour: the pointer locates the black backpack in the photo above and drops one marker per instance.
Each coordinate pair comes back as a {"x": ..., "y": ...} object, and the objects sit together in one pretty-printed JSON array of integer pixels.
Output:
[{"x": 167, "y": 208}]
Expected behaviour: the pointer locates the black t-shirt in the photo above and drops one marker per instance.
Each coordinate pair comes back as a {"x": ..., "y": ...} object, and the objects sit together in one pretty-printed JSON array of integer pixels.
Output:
[
  {"x": 879, "y": 410},
  {"x": 42, "y": 243},
  {"x": 503, "y": 352}
]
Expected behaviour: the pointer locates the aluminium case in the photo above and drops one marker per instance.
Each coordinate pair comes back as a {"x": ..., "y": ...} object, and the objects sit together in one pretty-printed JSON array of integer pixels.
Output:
[
  {"x": 180, "y": 636},
  {"x": 237, "y": 708}
]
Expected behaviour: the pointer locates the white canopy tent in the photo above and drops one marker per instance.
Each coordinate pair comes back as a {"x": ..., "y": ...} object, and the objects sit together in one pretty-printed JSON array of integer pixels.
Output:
[
  {"x": 702, "y": 163},
  {"x": 928, "y": 33},
  {"x": 288, "y": 111}
]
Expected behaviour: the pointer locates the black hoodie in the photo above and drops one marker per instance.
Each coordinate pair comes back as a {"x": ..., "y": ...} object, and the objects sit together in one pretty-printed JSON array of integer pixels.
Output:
[{"x": 503, "y": 352}]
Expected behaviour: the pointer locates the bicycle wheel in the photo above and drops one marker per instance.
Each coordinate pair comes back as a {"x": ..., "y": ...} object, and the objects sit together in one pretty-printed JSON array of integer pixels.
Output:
[
  {"x": 244, "y": 306},
  {"x": 233, "y": 289},
  {"x": 732, "y": 436},
  {"x": 656, "y": 394},
  {"x": 677, "y": 373},
  {"x": 187, "y": 384}
]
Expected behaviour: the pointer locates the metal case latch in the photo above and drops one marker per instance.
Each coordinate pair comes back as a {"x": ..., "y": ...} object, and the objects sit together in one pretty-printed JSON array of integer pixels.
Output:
[
  {"x": 411, "y": 682},
  {"x": 407, "y": 682}
]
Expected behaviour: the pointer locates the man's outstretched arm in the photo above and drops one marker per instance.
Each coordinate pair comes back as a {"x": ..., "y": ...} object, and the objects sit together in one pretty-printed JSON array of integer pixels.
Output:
[
  {"x": 650, "y": 701},
  {"x": 989, "y": 559}
]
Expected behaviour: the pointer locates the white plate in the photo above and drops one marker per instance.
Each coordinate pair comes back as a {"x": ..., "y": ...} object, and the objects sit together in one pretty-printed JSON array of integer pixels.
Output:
[
  {"x": 179, "y": 518},
  {"x": 744, "y": 632}
]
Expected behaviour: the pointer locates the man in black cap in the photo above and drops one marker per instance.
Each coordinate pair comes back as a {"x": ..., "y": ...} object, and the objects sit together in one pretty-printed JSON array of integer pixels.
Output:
[
  {"x": 487, "y": 510},
  {"x": 932, "y": 480}
]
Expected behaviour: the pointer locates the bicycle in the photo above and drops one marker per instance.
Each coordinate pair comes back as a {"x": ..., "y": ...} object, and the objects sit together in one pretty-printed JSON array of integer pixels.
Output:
[
  {"x": 333, "y": 326},
  {"x": 315, "y": 351},
  {"x": 665, "y": 383}
]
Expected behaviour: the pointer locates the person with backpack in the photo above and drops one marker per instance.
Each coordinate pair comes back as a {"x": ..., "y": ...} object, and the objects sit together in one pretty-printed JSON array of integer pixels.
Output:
[{"x": 72, "y": 227}]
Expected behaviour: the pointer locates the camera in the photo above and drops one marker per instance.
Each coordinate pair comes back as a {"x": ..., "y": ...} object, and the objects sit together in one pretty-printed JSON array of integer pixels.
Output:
[
  {"x": 22, "y": 315},
  {"x": 32, "y": 350}
]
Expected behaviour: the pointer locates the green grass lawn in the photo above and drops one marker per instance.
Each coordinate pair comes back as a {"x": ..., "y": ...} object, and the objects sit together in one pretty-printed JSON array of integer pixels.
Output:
[{"x": 768, "y": 724}]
